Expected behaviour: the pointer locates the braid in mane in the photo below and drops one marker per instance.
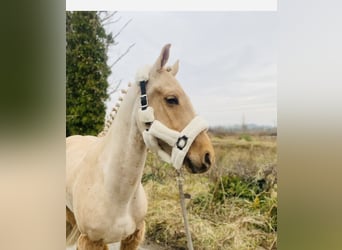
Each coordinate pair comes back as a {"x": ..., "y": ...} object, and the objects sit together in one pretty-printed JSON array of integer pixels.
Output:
[{"x": 112, "y": 114}]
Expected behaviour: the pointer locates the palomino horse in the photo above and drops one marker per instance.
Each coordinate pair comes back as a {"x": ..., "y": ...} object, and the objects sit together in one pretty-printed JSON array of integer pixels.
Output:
[{"x": 105, "y": 200}]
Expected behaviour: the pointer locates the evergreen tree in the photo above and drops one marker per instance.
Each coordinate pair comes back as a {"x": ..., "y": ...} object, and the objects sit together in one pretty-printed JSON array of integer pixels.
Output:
[{"x": 86, "y": 72}]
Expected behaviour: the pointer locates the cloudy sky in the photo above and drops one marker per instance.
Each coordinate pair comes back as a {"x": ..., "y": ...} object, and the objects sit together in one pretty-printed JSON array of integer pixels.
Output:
[{"x": 227, "y": 59}]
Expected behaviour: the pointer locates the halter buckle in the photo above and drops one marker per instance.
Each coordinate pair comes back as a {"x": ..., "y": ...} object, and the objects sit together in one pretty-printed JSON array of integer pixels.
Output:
[{"x": 181, "y": 142}]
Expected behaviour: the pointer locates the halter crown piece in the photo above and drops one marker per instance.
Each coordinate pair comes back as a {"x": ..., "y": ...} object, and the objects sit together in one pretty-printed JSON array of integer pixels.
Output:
[{"x": 179, "y": 141}]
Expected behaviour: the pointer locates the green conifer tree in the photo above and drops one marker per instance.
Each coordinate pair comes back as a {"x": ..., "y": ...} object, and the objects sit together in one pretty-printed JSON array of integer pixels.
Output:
[{"x": 86, "y": 72}]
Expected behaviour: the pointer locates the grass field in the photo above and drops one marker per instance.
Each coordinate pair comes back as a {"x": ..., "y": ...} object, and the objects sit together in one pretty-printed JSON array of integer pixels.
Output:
[{"x": 233, "y": 206}]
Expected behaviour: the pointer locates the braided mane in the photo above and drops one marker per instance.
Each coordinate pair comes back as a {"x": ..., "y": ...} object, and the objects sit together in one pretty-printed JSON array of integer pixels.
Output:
[{"x": 110, "y": 119}]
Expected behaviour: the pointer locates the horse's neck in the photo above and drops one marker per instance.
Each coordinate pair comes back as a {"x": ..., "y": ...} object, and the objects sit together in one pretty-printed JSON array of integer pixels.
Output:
[{"x": 123, "y": 151}]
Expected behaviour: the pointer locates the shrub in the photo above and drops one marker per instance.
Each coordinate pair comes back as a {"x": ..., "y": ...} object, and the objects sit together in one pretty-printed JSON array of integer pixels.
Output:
[{"x": 245, "y": 137}]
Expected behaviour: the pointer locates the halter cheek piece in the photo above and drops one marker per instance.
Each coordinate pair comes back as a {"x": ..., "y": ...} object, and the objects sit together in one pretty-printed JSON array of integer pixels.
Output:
[{"x": 179, "y": 141}]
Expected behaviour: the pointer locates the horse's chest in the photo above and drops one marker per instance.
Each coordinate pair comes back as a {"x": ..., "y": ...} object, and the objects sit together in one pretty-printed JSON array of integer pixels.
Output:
[
  {"x": 109, "y": 221},
  {"x": 122, "y": 227},
  {"x": 110, "y": 226}
]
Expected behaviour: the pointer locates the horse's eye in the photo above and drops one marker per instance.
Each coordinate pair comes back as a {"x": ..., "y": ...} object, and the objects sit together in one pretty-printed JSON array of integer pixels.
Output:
[{"x": 172, "y": 100}]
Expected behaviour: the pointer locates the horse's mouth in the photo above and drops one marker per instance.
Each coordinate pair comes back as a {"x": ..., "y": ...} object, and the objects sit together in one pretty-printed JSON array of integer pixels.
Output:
[{"x": 193, "y": 168}]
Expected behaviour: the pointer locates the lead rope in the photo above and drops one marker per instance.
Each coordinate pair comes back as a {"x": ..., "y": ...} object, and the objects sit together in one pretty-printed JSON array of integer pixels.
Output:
[{"x": 180, "y": 180}]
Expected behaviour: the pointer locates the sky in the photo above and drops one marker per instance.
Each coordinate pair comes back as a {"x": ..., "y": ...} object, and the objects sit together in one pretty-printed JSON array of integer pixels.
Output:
[{"x": 228, "y": 60}]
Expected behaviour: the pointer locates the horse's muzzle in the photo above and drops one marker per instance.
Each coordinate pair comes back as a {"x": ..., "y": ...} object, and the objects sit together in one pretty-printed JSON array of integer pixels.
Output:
[{"x": 197, "y": 169}]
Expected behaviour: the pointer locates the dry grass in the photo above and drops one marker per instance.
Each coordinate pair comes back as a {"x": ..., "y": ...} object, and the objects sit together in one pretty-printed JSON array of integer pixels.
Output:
[{"x": 231, "y": 207}]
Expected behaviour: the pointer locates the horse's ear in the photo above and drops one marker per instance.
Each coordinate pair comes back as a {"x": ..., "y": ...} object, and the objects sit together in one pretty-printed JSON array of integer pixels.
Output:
[
  {"x": 162, "y": 59},
  {"x": 174, "y": 68}
]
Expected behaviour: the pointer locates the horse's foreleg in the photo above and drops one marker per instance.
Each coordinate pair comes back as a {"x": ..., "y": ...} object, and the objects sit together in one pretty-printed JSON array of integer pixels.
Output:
[
  {"x": 133, "y": 241},
  {"x": 84, "y": 243}
]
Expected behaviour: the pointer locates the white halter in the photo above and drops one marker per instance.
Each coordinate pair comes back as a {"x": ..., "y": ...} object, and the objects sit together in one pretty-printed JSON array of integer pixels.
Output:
[{"x": 179, "y": 141}]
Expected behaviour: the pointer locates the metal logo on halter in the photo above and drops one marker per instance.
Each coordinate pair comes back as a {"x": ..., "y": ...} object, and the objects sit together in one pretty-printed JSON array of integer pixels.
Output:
[{"x": 179, "y": 141}]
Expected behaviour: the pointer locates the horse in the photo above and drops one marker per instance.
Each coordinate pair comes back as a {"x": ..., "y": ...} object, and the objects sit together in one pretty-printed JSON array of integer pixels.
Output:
[{"x": 105, "y": 200}]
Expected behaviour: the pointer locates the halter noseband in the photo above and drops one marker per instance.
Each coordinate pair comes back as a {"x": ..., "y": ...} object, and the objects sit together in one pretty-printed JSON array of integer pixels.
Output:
[{"x": 179, "y": 141}]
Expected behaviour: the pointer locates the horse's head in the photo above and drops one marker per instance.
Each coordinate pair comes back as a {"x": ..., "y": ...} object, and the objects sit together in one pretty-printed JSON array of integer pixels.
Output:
[{"x": 173, "y": 108}]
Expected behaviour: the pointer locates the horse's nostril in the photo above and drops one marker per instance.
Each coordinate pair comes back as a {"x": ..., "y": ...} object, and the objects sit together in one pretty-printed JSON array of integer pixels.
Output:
[{"x": 207, "y": 159}]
